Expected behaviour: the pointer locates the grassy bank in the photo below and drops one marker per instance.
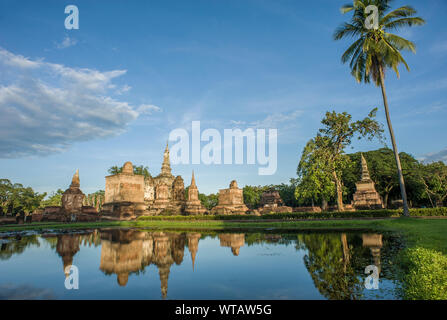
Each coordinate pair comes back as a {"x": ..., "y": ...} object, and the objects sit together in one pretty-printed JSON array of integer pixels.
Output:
[{"x": 427, "y": 233}]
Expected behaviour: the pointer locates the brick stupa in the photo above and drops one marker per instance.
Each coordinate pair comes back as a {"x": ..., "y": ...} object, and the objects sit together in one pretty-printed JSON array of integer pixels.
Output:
[{"x": 366, "y": 197}]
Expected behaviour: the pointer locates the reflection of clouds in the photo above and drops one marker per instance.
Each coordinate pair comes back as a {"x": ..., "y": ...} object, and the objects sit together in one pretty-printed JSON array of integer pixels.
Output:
[{"x": 24, "y": 292}]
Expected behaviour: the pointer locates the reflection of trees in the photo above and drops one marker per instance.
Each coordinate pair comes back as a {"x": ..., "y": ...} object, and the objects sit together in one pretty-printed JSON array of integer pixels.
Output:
[
  {"x": 329, "y": 264},
  {"x": 7, "y": 250}
]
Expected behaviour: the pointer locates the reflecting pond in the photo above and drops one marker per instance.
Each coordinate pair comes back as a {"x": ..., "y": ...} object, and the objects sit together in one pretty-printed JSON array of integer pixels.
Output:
[{"x": 147, "y": 264}]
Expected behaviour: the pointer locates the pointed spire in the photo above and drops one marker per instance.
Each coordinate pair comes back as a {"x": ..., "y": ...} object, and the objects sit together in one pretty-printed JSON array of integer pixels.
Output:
[
  {"x": 365, "y": 171},
  {"x": 193, "y": 258},
  {"x": 193, "y": 180},
  {"x": 166, "y": 166},
  {"x": 75, "y": 180}
]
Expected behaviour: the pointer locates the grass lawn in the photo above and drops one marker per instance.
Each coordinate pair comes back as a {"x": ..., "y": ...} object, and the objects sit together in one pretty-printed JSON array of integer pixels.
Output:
[{"x": 427, "y": 233}]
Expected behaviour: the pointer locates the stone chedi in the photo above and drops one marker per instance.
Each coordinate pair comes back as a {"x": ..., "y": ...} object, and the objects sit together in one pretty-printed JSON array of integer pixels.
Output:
[
  {"x": 164, "y": 194},
  {"x": 271, "y": 202},
  {"x": 72, "y": 208},
  {"x": 366, "y": 196},
  {"x": 231, "y": 201},
  {"x": 73, "y": 198},
  {"x": 193, "y": 205},
  {"x": 124, "y": 194}
]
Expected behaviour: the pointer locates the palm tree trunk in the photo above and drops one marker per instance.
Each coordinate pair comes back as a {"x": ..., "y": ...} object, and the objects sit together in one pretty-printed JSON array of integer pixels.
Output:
[{"x": 393, "y": 141}]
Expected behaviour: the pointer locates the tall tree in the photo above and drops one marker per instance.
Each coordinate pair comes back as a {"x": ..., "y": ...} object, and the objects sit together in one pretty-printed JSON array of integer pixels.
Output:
[
  {"x": 327, "y": 149},
  {"x": 314, "y": 177},
  {"x": 375, "y": 49}
]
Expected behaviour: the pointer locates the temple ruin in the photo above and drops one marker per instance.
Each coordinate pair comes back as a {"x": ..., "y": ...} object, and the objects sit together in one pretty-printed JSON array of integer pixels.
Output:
[
  {"x": 72, "y": 205},
  {"x": 129, "y": 195},
  {"x": 231, "y": 201},
  {"x": 271, "y": 202},
  {"x": 366, "y": 197}
]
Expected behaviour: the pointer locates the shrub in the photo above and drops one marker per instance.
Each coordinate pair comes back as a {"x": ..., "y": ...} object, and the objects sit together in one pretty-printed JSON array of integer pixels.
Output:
[
  {"x": 384, "y": 213},
  {"x": 424, "y": 274},
  {"x": 429, "y": 212}
]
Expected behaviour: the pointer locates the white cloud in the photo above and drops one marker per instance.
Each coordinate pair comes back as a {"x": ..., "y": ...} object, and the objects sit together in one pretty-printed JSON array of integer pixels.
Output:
[
  {"x": 435, "y": 156},
  {"x": 277, "y": 120},
  {"x": 46, "y": 107},
  {"x": 67, "y": 42},
  {"x": 148, "y": 109}
]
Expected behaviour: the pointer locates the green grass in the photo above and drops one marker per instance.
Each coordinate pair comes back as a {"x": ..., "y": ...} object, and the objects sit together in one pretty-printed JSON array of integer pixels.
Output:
[{"x": 427, "y": 233}]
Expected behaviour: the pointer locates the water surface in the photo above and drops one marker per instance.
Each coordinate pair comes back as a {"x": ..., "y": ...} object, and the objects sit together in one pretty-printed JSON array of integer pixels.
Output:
[{"x": 136, "y": 264}]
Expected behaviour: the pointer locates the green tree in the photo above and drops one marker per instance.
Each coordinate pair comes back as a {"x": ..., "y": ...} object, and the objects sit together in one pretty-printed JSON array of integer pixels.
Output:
[
  {"x": 55, "y": 199},
  {"x": 434, "y": 180},
  {"x": 208, "y": 201},
  {"x": 287, "y": 193},
  {"x": 6, "y": 188},
  {"x": 140, "y": 170},
  {"x": 252, "y": 195},
  {"x": 314, "y": 181},
  {"x": 324, "y": 155},
  {"x": 376, "y": 50}
]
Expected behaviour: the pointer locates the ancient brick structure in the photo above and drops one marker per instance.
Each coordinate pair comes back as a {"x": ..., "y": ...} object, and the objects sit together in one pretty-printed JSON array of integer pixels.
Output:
[
  {"x": 231, "y": 201},
  {"x": 193, "y": 205},
  {"x": 128, "y": 195},
  {"x": 271, "y": 202},
  {"x": 366, "y": 196},
  {"x": 73, "y": 208},
  {"x": 73, "y": 197},
  {"x": 124, "y": 194}
]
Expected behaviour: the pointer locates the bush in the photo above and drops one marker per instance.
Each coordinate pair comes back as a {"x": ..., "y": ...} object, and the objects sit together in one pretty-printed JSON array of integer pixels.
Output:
[
  {"x": 429, "y": 212},
  {"x": 424, "y": 275}
]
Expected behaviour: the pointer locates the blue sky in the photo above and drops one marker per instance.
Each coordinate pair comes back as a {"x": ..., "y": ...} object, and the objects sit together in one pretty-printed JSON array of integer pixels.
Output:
[{"x": 112, "y": 91}]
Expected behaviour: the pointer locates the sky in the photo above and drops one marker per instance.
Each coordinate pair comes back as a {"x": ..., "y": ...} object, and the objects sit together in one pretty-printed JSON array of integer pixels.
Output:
[{"x": 113, "y": 90}]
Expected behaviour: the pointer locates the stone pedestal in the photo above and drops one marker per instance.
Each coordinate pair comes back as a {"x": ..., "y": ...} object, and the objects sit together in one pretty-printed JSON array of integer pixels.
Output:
[{"x": 231, "y": 201}]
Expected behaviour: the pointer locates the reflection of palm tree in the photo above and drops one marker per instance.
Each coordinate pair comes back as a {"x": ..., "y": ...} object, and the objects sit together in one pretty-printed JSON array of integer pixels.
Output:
[{"x": 329, "y": 265}]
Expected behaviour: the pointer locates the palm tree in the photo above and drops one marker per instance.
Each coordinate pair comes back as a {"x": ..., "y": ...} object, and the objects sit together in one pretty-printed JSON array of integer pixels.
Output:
[{"x": 376, "y": 49}]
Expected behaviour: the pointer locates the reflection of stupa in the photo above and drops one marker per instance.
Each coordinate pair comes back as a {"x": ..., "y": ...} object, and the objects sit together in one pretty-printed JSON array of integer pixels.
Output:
[
  {"x": 233, "y": 240},
  {"x": 374, "y": 243},
  {"x": 193, "y": 246},
  {"x": 125, "y": 252},
  {"x": 67, "y": 246}
]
